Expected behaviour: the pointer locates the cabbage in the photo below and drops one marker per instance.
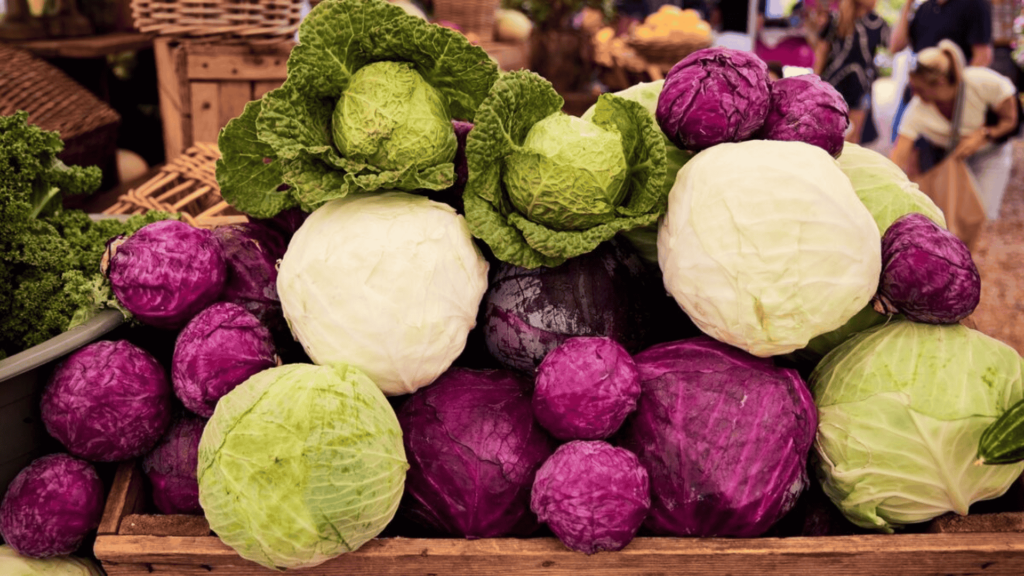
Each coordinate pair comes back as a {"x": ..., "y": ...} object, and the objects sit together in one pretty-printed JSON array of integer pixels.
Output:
[
  {"x": 300, "y": 464},
  {"x": 51, "y": 506},
  {"x": 807, "y": 109},
  {"x": 592, "y": 495},
  {"x": 771, "y": 255},
  {"x": 251, "y": 251},
  {"x": 545, "y": 187},
  {"x": 171, "y": 467},
  {"x": 389, "y": 283},
  {"x": 108, "y": 401},
  {"x": 901, "y": 409},
  {"x": 11, "y": 564}
]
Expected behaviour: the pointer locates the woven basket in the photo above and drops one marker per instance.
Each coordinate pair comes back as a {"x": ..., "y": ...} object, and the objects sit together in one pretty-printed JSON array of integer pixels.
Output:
[
  {"x": 221, "y": 19},
  {"x": 664, "y": 51},
  {"x": 476, "y": 16},
  {"x": 186, "y": 186},
  {"x": 55, "y": 102}
]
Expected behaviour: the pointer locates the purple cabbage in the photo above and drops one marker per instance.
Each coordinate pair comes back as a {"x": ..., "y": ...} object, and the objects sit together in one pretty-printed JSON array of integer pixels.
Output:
[
  {"x": 51, "y": 506},
  {"x": 251, "y": 252},
  {"x": 592, "y": 495},
  {"x": 285, "y": 223},
  {"x": 218, "y": 350},
  {"x": 928, "y": 274},
  {"x": 585, "y": 388},
  {"x": 712, "y": 96},
  {"x": 529, "y": 313},
  {"x": 807, "y": 109},
  {"x": 473, "y": 449},
  {"x": 172, "y": 467},
  {"x": 109, "y": 401},
  {"x": 167, "y": 272},
  {"x": 724, "y": 436},
  {"x": 453, "y": 195}
]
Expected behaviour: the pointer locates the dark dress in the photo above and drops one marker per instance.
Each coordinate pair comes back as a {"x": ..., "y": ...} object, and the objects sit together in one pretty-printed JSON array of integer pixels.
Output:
[{"x": 850, "y": 67}]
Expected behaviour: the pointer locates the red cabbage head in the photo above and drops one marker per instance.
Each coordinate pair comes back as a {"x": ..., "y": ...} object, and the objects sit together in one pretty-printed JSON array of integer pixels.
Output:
[
  {"x": 167, "y": 272},
  {"x": 473, "y": 449},
  {"x": 724, "y": 435},
  {"x": 109, "y": 401},
  {"x": 51, "y": 506},
  {"x": 807, "y": 109},
  {"x": 218, "y": 350},
  {"x": 592, "y": 495},
  {"x": 172, "y": 467},
  {"x": 251, "y": 251},
  {"x": 712, "y": 96}
]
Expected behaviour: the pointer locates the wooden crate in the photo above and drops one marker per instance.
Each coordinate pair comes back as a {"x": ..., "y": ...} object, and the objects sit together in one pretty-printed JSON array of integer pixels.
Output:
[
  {"x": 132, "y": 543},
  {"x": 203, "y": 85}
]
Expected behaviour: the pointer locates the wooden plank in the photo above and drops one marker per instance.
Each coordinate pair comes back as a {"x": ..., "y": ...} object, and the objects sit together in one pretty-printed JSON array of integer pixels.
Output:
[
  {"x": 125, "y": 498},
  {"x": 163, "y": 525},
  {"x": 205, "y": 111},
  {"x": 169, "y": 93},
  {"x": 263, "y": 86},
  {"x": 232, "y": 65},
  {"x": 89, "y": 46},
  {"x": 233, "y": 98},
  {"x": 912, "y": 554}
]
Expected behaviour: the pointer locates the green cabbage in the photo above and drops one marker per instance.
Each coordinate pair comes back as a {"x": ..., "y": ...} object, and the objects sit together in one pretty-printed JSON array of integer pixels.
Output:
[
  {"x": 901, "y": 408},
  {"x": 404, "y": 78},
  {"x": 544, "y": 188},
  {"x": 13, "y": 564},
  {"x": 301, "y": 463}
]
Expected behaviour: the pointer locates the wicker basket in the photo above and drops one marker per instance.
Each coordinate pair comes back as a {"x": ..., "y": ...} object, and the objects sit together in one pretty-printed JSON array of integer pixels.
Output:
[
  {"x": 476, "y": 16},
  {"x": 667, "y": 52},
  {"x": 221, "y": 19},
  {"x": 186, "y": 186},
  {"x": 55, "y": 102}
]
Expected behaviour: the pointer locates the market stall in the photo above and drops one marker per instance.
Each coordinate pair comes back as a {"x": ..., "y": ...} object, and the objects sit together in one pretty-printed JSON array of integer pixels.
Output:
[{"x": 400, "y": 303}]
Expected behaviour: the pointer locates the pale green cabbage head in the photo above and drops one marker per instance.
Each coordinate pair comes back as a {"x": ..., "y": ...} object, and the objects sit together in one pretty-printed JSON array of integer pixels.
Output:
[
  {"x": 901, "y": 408},
  {"x": 765, "y": 245},
  {"x": 568, "y": 174},
  {"x": 389, "y": 283},
  {"x": 389, "y": 117},
  {"x": 13, "y": 564},
  {"x": 300, "y": 464}
]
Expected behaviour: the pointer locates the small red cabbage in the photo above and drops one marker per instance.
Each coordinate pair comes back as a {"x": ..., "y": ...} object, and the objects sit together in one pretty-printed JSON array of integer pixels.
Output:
[
  {"x": 592, "y": 495},
  {"x": 218, "y": 350},
  {"x": 585, "y": 388},
  {"x": 108, "y": 401},
  {"x": 473, "y": 449},
  {"x": 453, "y": 195},
  {"x": 251, "y": 252},
  {"x": 285, "y": 223},
  {"x": 807, "y": 109},
  {"x": 712, "y": 96},
  {"x": 529, "y": 313},
  {"x": 51, "y": 506},
  {"x": 724, "y": 435},
  {"x": 928, "y": 274},
  {"x": 167, "y": 272},
  {"x": 172, "y": 467}
]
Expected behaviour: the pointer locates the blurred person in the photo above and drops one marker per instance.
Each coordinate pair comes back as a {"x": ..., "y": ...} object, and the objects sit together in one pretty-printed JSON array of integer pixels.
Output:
[
  {"x": 1004, "y": 12},
  {"x": 968, "y": 23},
  {"x": 845, "y": 47},
  {"x": 936, "y": 77}
]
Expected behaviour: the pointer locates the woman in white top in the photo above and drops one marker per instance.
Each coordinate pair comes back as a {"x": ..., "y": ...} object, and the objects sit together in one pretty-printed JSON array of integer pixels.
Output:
[{"x": 935, "y": 80}]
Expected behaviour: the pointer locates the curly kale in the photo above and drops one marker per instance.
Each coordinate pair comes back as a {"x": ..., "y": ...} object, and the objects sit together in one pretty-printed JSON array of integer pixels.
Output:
[{"x": 50, "y": 276}]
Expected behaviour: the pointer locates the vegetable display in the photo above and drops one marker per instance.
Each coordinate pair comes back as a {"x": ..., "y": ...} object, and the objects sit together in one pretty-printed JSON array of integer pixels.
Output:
[
  {"x": 51, "y": 506},
  {"x": 389, "y": 283},
  {"x": 768, "y": 263},
  {"x": 545, "y": 187},
  {"x": 367, "y": 105},
  {"x": 301, "y": 463},
  {"x": 912, "y": 400}
]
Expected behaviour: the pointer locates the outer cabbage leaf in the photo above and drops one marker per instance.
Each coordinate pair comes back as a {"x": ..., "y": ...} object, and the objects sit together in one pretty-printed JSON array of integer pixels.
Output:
[
  {"x": 337, "y": 39},
  {"x": 249, "y": 172},
  {"x": 516, "y": 103},
  {"x": 901, "y": 409}
]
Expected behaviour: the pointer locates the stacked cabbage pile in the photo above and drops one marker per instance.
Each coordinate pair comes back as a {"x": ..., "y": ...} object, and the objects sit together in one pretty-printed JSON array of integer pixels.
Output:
[{"x": 496, "y": 317}]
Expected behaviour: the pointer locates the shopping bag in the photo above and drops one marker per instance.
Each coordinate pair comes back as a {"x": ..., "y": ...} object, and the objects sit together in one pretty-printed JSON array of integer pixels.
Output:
[{"x": 951, "y": 185}]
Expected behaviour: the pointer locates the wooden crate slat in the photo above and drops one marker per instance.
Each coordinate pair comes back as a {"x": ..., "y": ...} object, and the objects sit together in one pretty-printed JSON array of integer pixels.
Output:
[
  {"x": 172, "y": 109},
  {"x": 860, "y": 555},
  {"x": 233, "y": 98},
  {"x": 205, "y": 111},
  {"x": 125, "y": 498},
  {"x": 238, "y": 66},
  {"x": 262, "y": 87}
]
